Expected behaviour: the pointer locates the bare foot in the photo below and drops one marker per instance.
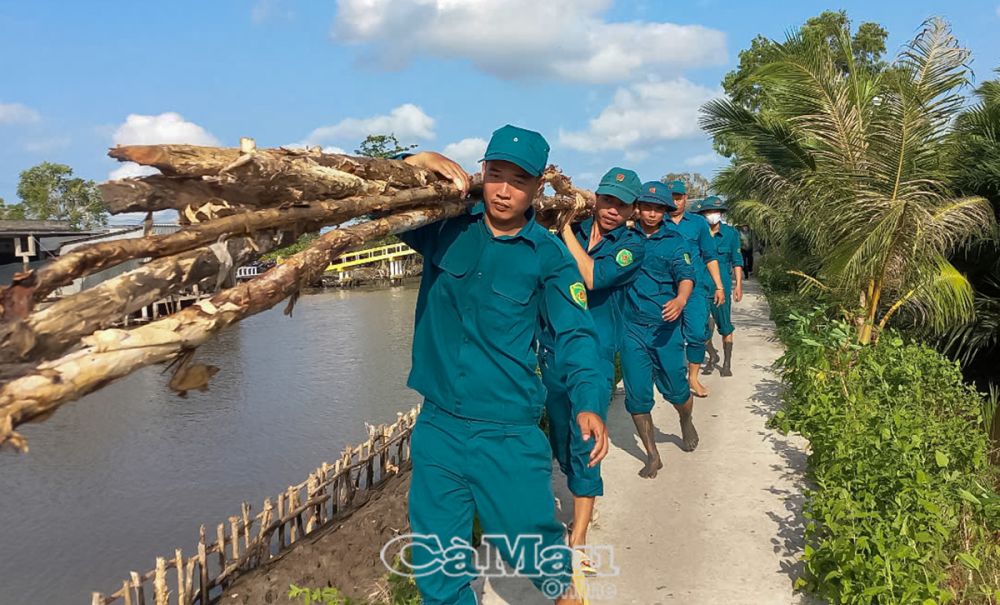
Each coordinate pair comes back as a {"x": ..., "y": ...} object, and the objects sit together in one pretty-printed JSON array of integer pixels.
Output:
[
  {"x": 653, "y": 465},
  {"x": 688, "y": 433},
  {"x": 697, "y": 388}
]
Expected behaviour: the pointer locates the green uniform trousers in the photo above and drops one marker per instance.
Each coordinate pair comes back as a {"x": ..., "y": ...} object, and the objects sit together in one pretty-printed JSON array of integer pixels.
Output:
[
  {"x": 723, "y": 317},
  {"x": 570, "y": 450},
  {"x": 503, "y": 474},
  {"x": 694, "y": 325},
  {"x": 654, "y": 354}
]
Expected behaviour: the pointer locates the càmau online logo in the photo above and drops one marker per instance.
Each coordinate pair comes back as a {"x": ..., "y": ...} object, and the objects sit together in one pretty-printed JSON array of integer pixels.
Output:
[{"x": 423, "y": 555}]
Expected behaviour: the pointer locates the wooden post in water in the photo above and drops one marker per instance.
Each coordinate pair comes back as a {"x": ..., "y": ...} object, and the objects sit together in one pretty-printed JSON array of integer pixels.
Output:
[
  {"x": 311, "y": 489},
  {"x": 220, "y": 540},
  {"x": 234, "y": 535},
  {"x": 281, "y": 521},
  {"x": 182, "y": 593},
  {"x": 189, "y": 580},
  {"x": 246, "y": 525},
  {"x": 203, "y": 565},
  {"x": 161, "y": 594},
  {"x": 292, "y": 504},
  {"x": 140, "y": 594}
]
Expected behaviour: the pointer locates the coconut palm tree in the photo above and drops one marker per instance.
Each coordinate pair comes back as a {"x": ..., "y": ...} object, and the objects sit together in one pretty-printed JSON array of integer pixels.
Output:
[
  {"x": 976, "y": 143},
  {"x": 856, "y": 164}
]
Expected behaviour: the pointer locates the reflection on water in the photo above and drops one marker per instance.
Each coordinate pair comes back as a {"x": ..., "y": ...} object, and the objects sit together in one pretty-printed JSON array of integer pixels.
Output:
[{"x": 130, "y": 472}]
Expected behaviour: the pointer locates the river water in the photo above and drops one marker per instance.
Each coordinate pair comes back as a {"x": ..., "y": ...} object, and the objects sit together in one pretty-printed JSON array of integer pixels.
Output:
[{"x": 130, "y": 472}]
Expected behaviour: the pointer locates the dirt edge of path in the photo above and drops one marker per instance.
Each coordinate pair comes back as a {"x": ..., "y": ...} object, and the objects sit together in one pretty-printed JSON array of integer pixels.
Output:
[{"x": 345, "y": 555}]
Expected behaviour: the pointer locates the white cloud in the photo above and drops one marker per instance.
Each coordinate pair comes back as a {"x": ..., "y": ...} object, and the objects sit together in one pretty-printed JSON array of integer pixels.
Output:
[
  {"x": 169, "y": 127},
  {"x": 165, "y": 128},
  {"x": 642, "y": 116},
  {"x": 466, "y": 152},
  {"x": 705, "y": 159},
  {"x": 46, "y": 145},
  {"x": 130, "y": 170},
  {"x": 407, "y": 122},
  {"x": 564, "y": 39},
  {"x": 305, "y": 144},
  {"x": 16, "y": 113}
]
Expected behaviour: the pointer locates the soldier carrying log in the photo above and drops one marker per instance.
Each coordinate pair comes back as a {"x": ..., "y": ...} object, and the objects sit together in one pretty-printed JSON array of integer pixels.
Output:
[{"x": 491, "y": 277}]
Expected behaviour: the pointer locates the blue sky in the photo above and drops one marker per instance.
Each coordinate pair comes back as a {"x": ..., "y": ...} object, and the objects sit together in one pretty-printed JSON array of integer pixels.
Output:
[{"x": 608, "y": 83}]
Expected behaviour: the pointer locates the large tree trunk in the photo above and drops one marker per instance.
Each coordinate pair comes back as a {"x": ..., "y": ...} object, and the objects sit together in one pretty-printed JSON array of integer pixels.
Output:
[
  {"x": 265, "y": 177},
  {"x": 96, "y": 257},
  {"x": 110, "y": 354},
  {"x": 58, "y": 327},
  {"x": 245, "y": 196}
]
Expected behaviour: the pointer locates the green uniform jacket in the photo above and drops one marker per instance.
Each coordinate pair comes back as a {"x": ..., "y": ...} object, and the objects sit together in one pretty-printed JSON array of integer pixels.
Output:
[
  {"x": 695, "y": 229},
  {"x": 669, "y": 260},
  {"x": 727, "y": 245},
  {"x": 617, "y": 258},
  {"x": 481, "y": 301}
]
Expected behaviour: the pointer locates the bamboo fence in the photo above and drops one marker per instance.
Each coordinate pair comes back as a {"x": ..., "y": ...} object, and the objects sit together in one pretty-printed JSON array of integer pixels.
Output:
[{"x": 248, "y": 541}]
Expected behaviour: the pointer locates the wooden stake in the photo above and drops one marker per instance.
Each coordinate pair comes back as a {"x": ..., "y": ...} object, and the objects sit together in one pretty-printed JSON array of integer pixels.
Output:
[
  {"x": 140, "y": 593},
  {"x": 203, "y": 567},
  {"x": 234, "y": 535},
  {"x": 220, "y": 541},
  {"x": 182, "y": 591},
  {"x": 246, "y": 522},
  {"x": 161, "y": 594}
]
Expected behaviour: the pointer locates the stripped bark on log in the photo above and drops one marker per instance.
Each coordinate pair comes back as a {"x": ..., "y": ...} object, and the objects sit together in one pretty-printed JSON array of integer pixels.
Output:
[
  {"x": 301, "y": 189},
  {"x": 110, "y": 354},
  {"x": 266, "y": 177},
  {"x": 60, "y": 326},
  {"x": 98, "y": 256}
]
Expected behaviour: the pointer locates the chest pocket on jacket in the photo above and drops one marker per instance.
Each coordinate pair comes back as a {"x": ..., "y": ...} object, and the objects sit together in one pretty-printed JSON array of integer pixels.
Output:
[
  {"x": 516, "y": 288},
  {"x": 659, "y": 269},
  {"x": 509, "y": 307},
  {"x": 455, "y": 259}
]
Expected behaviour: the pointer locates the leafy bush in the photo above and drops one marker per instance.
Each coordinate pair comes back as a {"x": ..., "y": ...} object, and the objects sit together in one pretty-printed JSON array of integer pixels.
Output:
[{"x": 903, "y": 509}]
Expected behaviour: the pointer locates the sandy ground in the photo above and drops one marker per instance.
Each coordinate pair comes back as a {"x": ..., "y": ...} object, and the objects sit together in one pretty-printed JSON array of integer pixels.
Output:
[{"x": 719, "y": 525}]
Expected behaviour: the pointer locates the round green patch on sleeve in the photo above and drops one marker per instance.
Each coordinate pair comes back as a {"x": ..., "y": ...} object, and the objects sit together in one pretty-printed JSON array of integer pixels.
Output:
[{"x": 624, "y": 257}]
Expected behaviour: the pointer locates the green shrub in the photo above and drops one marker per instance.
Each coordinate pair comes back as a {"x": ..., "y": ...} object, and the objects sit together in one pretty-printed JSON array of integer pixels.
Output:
[{"x": 902, "y": 509}]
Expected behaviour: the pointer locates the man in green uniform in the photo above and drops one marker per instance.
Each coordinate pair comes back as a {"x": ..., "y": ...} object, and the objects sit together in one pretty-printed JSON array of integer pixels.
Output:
[
  {"x": 727, "y": 243},
  {"x": 695, "y": 321},
  {"x": 608, "y": 254},
  {"x": 490, "y": 277},
  {"x": 653, "y": 349}
]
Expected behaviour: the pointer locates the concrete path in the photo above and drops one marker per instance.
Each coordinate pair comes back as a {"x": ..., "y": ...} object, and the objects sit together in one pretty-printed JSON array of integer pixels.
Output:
[{"x": 719, "y": 525}]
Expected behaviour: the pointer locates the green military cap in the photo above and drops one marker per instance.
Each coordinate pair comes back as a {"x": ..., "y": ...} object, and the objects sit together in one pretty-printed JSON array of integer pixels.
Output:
[
  {"x": 655, "y": 192},
  {"x": 677, "y": 186},
  {"x": 621, "y": 183},
  {"x": 712, "y": 202},
  {"x": 526, "y": 148}
]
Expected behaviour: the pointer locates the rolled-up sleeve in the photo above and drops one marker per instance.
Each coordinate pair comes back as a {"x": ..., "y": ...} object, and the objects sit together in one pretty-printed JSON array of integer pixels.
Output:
[
  {"x": 575, "y": 343},
  {"x": 621, "y": 266}
]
